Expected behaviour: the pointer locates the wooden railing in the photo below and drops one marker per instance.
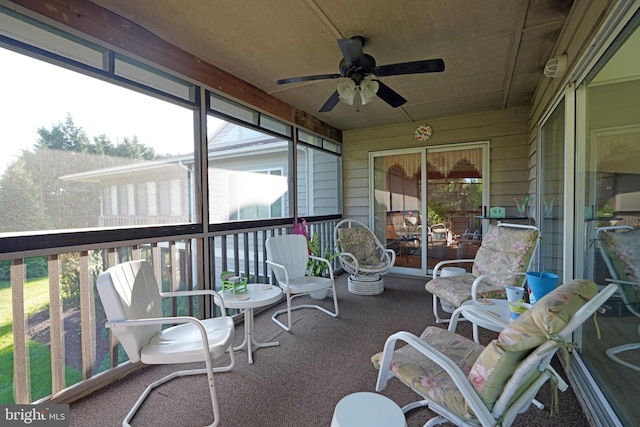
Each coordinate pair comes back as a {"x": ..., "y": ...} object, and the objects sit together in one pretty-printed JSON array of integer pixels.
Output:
[{"x": 65, "y": 329}]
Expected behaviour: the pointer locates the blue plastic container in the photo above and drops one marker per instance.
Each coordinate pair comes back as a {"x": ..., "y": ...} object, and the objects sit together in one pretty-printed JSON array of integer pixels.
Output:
[{"x": 540, "y": 283}]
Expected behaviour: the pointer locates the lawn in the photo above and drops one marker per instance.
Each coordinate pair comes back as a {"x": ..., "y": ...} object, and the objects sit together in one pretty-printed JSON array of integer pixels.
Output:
[{"x": 36, "y": 293}]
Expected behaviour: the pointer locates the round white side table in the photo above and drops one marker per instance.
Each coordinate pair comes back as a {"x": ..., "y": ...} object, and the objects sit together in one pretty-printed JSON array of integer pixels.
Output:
[
  {"x": 257, "y": 295},
  {"x": 366, "y": 409}
]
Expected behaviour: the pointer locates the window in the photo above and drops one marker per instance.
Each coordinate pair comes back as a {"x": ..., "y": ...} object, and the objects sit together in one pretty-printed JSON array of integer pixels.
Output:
[
  {"x": 552, "y": 182},
  {"x": 244, "y": 204},
  {"x": 318, "y": 182},
  {"x": 248, "y": 173},
  {"x": 83, "y": 139}
]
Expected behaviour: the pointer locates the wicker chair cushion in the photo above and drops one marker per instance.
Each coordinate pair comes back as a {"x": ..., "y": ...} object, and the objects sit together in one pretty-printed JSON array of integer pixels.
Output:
[{"x": 361, "y": 243}]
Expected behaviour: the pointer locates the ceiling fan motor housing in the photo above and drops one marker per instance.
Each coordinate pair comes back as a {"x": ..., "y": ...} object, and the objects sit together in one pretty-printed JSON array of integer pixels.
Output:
[{"x": 358, "y": 71}]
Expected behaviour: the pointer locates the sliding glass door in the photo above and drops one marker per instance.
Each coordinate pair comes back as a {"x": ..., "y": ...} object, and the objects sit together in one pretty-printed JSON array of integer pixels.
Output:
[
  {"x": 430, "y": 196},
  {"x": 397, "y": 204},
  {"x": 608, "y": 194}
]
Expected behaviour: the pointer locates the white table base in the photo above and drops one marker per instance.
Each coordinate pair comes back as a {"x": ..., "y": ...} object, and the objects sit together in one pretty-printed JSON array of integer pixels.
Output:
[
  {"x": 256, "y": 295},
  {"x": 249, "y": 340}
]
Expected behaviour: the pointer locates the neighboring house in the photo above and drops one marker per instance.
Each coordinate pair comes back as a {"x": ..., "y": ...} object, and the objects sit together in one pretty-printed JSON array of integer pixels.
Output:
[{"x": 245, "y": 167}]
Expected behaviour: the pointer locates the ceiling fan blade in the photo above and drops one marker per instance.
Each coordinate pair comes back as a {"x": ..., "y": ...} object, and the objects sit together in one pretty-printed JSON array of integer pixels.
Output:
[
  {"x": 352, "y": 50},
  {"x": 389, "y": 95},
  {"x": 331, "y": 102},
  {"x": 416, "y": 67},
  {"x": 308, "y": 78}
]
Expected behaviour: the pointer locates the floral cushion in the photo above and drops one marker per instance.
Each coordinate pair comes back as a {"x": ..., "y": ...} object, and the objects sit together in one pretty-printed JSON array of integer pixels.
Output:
[
  {"x": 457, "y": 289},
  {"x": 362, "y": 244},
  {"x": 548, "y": 316},
  {"x": 623, "y": 249},
  {"x": 505, "y": 249},
  {"x": 426, "y": 377}
]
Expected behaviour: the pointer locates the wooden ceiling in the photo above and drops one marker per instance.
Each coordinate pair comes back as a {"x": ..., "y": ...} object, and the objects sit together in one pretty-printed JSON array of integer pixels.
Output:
[{"x": 494, "y": 50}]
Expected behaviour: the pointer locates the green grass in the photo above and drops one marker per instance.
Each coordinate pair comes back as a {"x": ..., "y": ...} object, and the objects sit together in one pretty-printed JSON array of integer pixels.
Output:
[{"x": 36, "y": 293}]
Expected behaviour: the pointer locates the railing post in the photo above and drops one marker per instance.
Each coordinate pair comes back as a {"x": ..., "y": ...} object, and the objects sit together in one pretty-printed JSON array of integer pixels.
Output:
[{"x": 21, "y": 384}]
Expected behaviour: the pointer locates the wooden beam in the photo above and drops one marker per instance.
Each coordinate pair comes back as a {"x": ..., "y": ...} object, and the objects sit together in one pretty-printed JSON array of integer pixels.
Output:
[{"x": 97, "y": 22}]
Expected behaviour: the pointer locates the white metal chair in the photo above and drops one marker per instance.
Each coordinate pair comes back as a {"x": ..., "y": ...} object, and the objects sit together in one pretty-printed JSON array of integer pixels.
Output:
[
  {"x": 288, "y": 256},
  {"x": 469, "y": 385},
  {"x": 502, "y": 259},
  {"x": 133, "y": 304},
  {"x": 362, "y": 255},
  {"x": 620, "y": 249}
]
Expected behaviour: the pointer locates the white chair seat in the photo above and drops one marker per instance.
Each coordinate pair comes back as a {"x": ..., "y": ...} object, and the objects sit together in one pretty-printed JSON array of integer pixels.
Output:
[
  {"x": 309, "y": 284},
  {"x": 183, "y": 343}
]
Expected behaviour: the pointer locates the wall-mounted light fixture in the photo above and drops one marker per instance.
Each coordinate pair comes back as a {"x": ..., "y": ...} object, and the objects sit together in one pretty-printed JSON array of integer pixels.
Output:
[{"x": 556, "y": 66}]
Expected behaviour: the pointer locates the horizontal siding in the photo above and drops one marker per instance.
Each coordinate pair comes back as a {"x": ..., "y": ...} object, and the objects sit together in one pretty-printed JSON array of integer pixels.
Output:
[{"x": 507, "y": 131}]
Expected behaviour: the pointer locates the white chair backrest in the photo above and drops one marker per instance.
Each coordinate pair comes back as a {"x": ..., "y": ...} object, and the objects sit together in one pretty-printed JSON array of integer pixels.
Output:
[
  {"x": 612, "y": 245},
  {"x": 290, "y": 250},
  {"x": 506, "y": 248},
  {"x": 540, "y": 358},
  {"x": 129, "y": 291}
]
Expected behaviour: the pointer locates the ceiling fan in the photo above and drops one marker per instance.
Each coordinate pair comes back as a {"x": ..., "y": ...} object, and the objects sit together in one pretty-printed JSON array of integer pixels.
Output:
[{"x": 361, "y": 70}]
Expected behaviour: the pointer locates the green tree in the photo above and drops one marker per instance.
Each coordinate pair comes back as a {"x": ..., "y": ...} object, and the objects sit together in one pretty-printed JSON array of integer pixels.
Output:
[
  {"x": 45, "y": 192},
  {"x": 21, "y": 201},
  {"x": 64, "y": 136},
  {"x": 132, "y": 149}
]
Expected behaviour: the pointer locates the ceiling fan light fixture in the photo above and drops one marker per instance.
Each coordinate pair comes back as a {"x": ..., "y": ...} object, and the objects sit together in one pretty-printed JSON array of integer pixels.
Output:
[
  {"x": 368, "y": 90},
  {"x": 347, "y": 91}
]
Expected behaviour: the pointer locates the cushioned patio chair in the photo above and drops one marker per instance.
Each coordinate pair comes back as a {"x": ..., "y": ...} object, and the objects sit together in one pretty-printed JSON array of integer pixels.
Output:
[
  {"x": 133, "y": 304},
  {"x": 469, "y": 385},
  {"x": 620, "y": 250},
  {"x": 362, "y": 255},
  {"x": 503, "y": 258},
  {"x": 288, "y": 256}
]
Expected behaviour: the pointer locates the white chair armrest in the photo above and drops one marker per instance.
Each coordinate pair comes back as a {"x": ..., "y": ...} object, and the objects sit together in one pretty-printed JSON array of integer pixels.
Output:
[
  {"x": 476, "y": 282},
  {"x": 353, "y": 257},
  {"x": 456, "y": 374},
  {"x": 390, "y": 255},
  {"x": 281, "y": 267},
  {"x": 623, "y": 282},
  {"x": 217, "y": 299},
  {"x": 439, "y": 265}
]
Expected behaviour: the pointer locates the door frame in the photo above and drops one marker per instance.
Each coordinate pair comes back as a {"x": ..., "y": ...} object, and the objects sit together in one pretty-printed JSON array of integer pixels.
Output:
[{"x": 422, "y": 151}]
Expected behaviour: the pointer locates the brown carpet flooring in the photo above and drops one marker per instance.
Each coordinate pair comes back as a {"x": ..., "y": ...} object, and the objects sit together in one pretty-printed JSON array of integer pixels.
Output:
[{"x": 299, "y": 382}]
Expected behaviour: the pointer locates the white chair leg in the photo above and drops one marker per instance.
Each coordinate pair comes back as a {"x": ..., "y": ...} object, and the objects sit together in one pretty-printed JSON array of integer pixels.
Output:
[
  {"x": 291, "y": 308},
  {"x": 214, "y": 400},
  {"x": 611, "y": 354},
  {"x": 436, "y": 421},
  {"x": 435, "y": 311}
]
